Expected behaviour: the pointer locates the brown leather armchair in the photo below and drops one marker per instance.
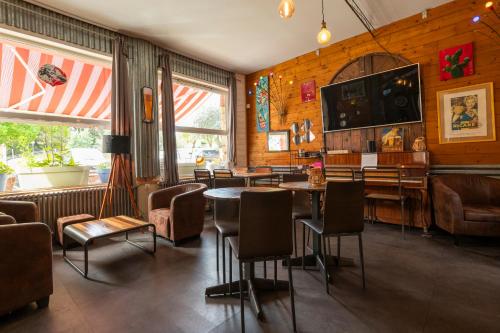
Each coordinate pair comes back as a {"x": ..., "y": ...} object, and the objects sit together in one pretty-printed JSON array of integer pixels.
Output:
[
  {"x": 25, "y": 257},
  {"x": 467, "y": 204},
  {"x": 178, "y": 212}
]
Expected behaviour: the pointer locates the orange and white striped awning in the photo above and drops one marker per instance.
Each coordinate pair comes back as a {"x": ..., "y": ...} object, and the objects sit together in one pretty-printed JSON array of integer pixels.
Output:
[{"x": 86, "y": 93}]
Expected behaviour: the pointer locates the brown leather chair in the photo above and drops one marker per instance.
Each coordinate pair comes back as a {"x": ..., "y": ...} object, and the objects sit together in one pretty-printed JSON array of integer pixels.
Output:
[
  {"x": 222, "y": 173},
  {"x": 178, "y": 212},
  {"x": 301, "y": 203},
  {"x": 226, "y": 219},
  {"x": 467, "y": 204},
  {"x": 265, "y": 233},
  {"x": 343, "y": 216},
  {"x": 25, "y": 257}
]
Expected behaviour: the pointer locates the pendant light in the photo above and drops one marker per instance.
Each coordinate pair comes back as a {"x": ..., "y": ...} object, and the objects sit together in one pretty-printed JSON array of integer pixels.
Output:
[
  {"x": 324, "y": 35},
  {"x": 286, "y": 8}
]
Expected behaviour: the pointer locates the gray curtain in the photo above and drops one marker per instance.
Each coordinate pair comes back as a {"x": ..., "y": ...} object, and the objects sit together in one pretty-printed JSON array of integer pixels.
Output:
[
  {"x": 198, "y": 70},
  {"x": 231, "y": 151},
  {"x": 168, "y": 123}
]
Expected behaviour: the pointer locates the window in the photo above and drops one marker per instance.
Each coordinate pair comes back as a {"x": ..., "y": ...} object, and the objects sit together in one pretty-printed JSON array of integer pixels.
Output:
[
  {"x": 55, "y": 106},
  {"x": 201, "y": 125}
]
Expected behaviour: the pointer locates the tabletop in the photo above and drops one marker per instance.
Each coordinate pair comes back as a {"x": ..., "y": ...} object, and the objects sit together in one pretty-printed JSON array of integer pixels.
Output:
[
  {"x": 234, "y": 193},
  {"x": 254, "y": 174},
  {"x": 303, "y": 186}
]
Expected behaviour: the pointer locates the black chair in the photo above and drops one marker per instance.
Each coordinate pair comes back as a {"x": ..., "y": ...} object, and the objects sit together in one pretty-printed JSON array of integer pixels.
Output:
[
  {"x": 265, "y": 234},
  {"x": 301, "y": 204},
  {"x": 203, "y": 176},
  {"x": 222, "y": 173},
  {"x": 226, "y": 219},
  {"x": 343, "y": 216},
  {"x": 264, "y": 181}
]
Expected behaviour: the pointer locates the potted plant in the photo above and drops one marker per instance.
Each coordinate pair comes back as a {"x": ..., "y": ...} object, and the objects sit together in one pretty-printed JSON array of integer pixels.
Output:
[
  {"x": 103, "y": 171},
  {"x": 5, "y": 171}
]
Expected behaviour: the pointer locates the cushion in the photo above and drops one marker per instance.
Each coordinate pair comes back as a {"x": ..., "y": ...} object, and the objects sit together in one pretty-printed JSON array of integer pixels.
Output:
[
  {"x": 68, "y": 220},
  {"x": 482, "y": 213},
  {"x": 161, "y": 219}
]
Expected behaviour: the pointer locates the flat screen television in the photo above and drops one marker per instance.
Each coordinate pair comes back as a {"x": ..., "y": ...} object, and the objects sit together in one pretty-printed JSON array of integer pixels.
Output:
[{"x": 385, "y": 98}]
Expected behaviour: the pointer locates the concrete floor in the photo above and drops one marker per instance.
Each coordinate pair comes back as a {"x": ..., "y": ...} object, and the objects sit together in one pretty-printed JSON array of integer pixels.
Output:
[{"x": 416, "y": 285}]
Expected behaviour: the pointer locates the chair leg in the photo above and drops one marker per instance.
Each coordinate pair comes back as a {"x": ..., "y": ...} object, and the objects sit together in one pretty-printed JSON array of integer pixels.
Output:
[
  {"x": 303, "y": 246},
  {"x": 230, "y": 258},
  {"x": 323, "y": 240},
  {"x": 217, "y": 249},
  {"x": 223, "y": 247},
  {"x": 294, "y": 231},
  {"x": 275, "y": 274},
  {"x": 403, "y": 218},
  {"x": 338, "y": 250},
  {"x": 361, "y": 258},
  {"x": 242, "y": 301},
  {"x": 43, "y": 302},
  {"x": 265, "y": 269},
  {"x": 292, "y": 292}
]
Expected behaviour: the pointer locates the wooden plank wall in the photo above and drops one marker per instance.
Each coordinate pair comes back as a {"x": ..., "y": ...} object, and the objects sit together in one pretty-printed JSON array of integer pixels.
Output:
[{"x": 416, "y": 39}]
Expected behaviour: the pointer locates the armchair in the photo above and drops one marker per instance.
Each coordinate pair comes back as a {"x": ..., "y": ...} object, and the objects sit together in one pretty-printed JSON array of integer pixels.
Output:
[
  {"x": 467, "y": 204},
  {"x": 178, "y": 212},
  {"x": 25, "y": 257}
]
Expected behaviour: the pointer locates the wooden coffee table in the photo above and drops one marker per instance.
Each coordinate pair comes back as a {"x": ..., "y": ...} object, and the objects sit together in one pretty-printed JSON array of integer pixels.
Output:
[{"x": 86, "y": 232}]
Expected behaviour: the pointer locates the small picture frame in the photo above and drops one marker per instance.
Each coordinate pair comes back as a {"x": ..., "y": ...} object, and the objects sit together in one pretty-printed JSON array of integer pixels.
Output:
[
  {"x": 466, "y": 114},
  {"x": 278, "y": 141},
  {"x": 392, "y": 139},
  {"x": 147, "y": 102}
]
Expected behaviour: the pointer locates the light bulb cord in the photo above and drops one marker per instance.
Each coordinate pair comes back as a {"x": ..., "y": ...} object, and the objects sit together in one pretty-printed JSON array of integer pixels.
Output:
[{"x": 323, "y": 11}]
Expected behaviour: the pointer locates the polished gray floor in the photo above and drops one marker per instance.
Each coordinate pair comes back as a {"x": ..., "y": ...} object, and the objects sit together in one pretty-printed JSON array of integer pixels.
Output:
[{"x": 416, "y": 285}]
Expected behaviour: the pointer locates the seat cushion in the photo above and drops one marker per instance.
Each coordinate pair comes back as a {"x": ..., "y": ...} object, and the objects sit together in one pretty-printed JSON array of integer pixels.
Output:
[
  {"x": 161, "y": 219},
  {"x": 482, "y": 213},
  {"x": 227, "y": 228}
]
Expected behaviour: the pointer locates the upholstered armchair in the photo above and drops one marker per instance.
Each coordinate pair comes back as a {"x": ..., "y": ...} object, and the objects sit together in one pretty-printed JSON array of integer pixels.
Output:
[
  {"x": 178, "y": 212},
  {"x": 25, "y": 257},
  {"x": 467, "y": 204}
]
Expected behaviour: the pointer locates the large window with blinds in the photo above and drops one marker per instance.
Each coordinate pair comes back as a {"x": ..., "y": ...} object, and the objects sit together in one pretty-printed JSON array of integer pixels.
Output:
[
  {"x": 201, "y": 123},
  {"x": 55, "y": 106}
]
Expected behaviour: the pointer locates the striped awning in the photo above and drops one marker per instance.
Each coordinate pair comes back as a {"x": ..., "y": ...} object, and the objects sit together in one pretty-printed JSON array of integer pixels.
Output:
[{"x": 85, "y": 95}]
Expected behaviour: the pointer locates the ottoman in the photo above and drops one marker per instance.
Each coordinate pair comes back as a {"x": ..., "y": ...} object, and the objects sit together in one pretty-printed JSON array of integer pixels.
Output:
[{"x": 64, "y": 221}]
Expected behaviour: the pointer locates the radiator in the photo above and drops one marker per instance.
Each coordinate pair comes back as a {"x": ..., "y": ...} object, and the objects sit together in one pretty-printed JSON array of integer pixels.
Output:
[{"x": 53, "y": 204}]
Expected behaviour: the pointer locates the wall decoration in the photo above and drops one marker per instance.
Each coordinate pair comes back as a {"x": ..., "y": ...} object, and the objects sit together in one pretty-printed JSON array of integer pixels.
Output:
[
  {"x": 262, "y": 104},
  {"x": 51, "y": 74},
  {"x": 279, "y": 91},
  {"x": 308, "y": 91},
  {"x": 278, "y": 141},
  {"x": 466, "y": 114},
  {"x": 147, "y": 99},
  {"x": 419, "y": 144},
  {"x": 456, "y": 62},
  {"x": 392, "y": 139}
]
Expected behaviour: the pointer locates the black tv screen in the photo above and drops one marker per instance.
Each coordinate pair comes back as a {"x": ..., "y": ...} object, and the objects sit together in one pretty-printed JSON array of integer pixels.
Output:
[{"x": 386, "y": 98}]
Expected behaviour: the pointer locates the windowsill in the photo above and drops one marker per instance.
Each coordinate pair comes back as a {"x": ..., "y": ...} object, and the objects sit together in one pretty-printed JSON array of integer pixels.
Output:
[{"x": 49, "y": 190}]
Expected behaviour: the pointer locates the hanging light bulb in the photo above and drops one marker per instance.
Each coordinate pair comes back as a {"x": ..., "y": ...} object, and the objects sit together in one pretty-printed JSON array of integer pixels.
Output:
[
  {"x": 324, "y": 35},
  {"x": 286, "y": 8}
]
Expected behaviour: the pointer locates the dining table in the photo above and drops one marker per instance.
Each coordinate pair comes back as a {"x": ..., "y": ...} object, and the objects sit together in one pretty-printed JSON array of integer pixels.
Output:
[
  {"x": 250, "y": 176},
  {"x": 251, "y": 284},
  {"x": 310, "y": 261}
]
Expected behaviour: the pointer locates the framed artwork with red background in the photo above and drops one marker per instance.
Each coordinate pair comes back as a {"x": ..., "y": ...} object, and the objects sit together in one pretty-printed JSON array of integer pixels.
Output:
[
  {"x": 308, "y": 91},
  {"x": 456, "y": 62}
]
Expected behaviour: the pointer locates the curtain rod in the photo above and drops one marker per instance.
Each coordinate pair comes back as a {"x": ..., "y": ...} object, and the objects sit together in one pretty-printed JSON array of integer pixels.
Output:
[{"x": 107, "y": 36}]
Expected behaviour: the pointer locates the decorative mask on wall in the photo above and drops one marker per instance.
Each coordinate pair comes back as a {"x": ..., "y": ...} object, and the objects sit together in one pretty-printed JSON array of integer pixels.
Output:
[{"x": 302, "y": 133}]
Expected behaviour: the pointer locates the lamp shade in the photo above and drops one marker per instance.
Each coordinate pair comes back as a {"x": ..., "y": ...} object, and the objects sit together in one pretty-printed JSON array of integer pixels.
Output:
[{"x": 116, "y": 144}]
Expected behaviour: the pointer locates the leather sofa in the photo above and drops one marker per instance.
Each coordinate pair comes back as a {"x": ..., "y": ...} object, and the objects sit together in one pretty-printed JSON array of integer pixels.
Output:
[
  {"x": 178, "y": 212},
  {"x": 467, "y": 204},
  {"x": 25, "y": 257}
]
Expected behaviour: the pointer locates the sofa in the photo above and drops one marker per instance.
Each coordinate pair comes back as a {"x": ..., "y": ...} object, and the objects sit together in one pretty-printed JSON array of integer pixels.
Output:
[
  {"x": 178, "y": 212},
  {"x": 467, "y": 204},
  {"x": 25, "y": 257}
]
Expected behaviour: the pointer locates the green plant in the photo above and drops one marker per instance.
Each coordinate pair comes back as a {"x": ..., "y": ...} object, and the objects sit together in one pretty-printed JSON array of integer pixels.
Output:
[
  {"x": 52, "y": 159},
  {"x": 5, "y": 169}
]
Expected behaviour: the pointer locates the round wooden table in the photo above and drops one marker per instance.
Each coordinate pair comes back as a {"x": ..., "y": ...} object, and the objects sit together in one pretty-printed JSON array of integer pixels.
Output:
[
  {"x": 251, "y": 284},
  {"x": 315, "y": 190}
]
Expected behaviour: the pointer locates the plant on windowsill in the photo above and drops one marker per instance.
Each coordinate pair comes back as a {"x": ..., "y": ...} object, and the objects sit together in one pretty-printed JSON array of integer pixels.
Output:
[
  {"x": 5, "y": 171},
  {"x": 103, "y": 170}
]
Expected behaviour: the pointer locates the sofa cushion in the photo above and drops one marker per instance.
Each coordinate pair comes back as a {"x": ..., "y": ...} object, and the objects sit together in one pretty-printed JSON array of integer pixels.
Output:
[
  {"x": 482, "y": 213},
  {"x": 161, "y": 219}
]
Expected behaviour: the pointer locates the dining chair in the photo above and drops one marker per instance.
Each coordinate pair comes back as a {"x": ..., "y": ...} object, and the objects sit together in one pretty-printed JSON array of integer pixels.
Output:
[
  {"x": 222, "y": 173},
  {"x": 263, "y": 181},
  {"x": 226, "y": 219},
  {"x": 265, "y": 234},
  {"x": 389, "y": 175},
  {"x": 203, "y": 176},
  {"x": 343, "y": 216}
]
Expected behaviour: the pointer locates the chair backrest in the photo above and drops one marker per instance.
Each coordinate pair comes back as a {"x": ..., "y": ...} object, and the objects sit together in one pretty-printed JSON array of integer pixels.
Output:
[
  {"x": 224, "y": 209},
  {"x": 295, "y": 177},
  {"x": 344, "y": 207},
  {"x": 300, "y": 198},
  {"x": 384, "y": 174},
  {"x": 203, "y": 176},
  {"x": 229, "y": 182},
  {"x": 265, "y": 224},
  {"x": 223, "y": 173},
  {"x": 336, "y": 173},
  {"x": 263, "y": 169}
]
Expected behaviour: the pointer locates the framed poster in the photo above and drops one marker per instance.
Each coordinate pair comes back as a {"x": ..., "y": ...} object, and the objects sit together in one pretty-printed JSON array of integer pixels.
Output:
[
  {"x": 308, "y": 91},
  {"x": 262, "y": 104},
  {"x": 278, "y": 141},
  {"x": 147, "y": 102},
  {"x": 392, "y": 139},
  {"x": 456, "y": 62},
  {"x": 466, "y": 114}
]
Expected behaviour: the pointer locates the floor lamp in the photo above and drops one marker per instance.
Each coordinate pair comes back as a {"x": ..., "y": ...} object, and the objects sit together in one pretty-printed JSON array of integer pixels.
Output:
[{"x": 118, "y": 145}]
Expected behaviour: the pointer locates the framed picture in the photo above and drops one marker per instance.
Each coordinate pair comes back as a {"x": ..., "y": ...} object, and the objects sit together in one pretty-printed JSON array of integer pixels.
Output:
[
  {"x": 262, "y": 104},
  {"x": 456, "y": 62},
  {"x": 278, "y": 141},
  {"x": 392, "y": 139},
  {"x": 466, "y": 114},
  {"x": 308, "y": 91},
  {"x": 147, "y": 102}
]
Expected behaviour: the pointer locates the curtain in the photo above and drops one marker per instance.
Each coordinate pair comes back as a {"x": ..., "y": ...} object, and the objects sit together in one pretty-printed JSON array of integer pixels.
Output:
[
  {"x": 231, "y": 151},
  {"x": 198, "y": 70},
  {"x": 120, "y": 100},
  {"x": 168, "y": 123}
]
